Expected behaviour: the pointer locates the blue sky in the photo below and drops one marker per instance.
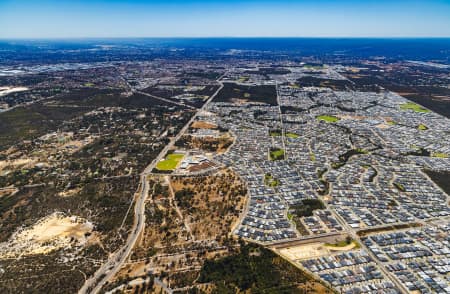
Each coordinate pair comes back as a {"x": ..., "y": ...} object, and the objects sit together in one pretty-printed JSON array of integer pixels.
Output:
[{"x": 197, "y": 18}]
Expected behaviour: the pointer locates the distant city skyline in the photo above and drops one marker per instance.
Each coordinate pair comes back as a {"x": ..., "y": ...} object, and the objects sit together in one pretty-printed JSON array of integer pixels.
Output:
[{"x": 197, "y": 18}]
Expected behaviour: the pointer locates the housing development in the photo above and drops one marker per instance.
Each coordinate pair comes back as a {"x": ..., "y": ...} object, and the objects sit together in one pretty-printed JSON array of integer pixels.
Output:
[
  {"x": 358, "y": 154},
  {"x": 224, "y": 172}
]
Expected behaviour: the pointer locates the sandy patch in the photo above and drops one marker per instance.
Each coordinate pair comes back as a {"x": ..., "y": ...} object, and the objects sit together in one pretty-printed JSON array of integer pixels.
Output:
[
  {"x": 16, "y": 163},
  {"x": 75, "y": 145},
  {"x": 50, "y": 233},
  {"x": 203, "y": 125},
  {"x": 8, "y": 191},
  {"x": 305, "y": 251},
  {"x": 8, "y": 90},
  {"x": 440, "y": 97},
  {"x": 138, "y": 269},
  {"x": 351, "y": 117},
  {"x": 239, "y": 101},
  {"x": 69, "y": 193},
  {"x": 383, "y": 126}
]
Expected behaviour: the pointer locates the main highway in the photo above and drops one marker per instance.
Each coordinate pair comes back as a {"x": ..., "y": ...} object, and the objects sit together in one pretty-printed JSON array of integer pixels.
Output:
[{"x": 109, "y": 269}]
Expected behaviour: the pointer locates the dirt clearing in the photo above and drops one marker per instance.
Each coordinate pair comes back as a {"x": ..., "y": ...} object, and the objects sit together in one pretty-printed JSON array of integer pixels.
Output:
[{"x": 50, "y": 233}]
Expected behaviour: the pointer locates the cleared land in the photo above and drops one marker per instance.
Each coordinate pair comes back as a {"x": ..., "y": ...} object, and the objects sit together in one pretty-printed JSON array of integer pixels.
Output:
[
  {"x": 209, "y": 144},
  {"x": 304, "y": 251},
  {"x": 8, "y": 90},
  {"x": 203, "y": 125},
  {"x": 49, "y": 234}
]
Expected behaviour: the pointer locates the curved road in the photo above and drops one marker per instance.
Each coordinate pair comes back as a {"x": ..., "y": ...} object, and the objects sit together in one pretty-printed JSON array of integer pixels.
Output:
[{"x": 109, "y": 269}]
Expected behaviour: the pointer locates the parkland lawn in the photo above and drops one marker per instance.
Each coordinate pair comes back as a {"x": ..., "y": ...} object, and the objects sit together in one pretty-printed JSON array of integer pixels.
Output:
[
  {"x": 170, "y": 163},
  {"x": 413, "y": 106},
  {"x": 328, "y": 118},
  {"x": 292, "y": 135},
  {"x": 276, "y": 154}
]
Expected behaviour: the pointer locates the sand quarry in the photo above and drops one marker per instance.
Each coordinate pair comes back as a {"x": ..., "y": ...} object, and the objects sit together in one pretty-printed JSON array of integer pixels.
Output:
[{"x": 50, "y": 233}]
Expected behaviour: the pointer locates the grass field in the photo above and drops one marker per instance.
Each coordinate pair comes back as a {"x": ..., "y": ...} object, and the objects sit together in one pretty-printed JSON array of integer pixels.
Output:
[
  {"x": 276, "y": 154},
  {"x": 413, "y": 106},
  {"x": 328, "y": 118},
  {"x": 422, "y": 127},
  {"x": 292, "y": 135},
  {"x": 170, "y": 163},
  {"x": 440, "y": 155}
]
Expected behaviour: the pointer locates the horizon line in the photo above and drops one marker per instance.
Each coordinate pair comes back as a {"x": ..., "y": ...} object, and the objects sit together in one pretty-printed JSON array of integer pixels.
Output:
[{"x": 225, "y": 37}]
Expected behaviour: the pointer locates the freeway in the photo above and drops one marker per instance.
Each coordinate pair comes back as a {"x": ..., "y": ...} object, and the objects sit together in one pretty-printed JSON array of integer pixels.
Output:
[{"x": 109, "y": 269}]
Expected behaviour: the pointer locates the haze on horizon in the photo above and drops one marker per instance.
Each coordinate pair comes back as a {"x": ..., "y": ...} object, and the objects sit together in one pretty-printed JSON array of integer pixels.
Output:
[{"x": 199, "y": 18}]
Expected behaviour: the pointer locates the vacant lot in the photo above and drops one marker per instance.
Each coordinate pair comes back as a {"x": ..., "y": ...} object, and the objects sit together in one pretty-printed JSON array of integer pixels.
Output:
[
  {"x": 48, "y": 234},
  {"x": 305, "y": 251},
  {"x": 203, "y": 125},
  {"x": 209, "y": 144}
]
